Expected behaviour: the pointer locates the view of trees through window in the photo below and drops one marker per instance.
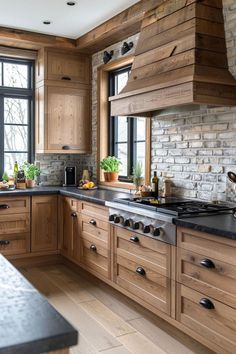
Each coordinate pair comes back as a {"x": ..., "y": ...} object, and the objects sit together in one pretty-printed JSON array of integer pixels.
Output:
[
  {"x": 16, "y": 107},
  {"x": 127, "y": 134}
]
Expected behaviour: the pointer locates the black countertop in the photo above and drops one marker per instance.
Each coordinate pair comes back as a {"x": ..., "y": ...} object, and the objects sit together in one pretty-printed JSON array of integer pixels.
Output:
[
  {"x": 28, "y": 323},
  {"x": 99, "y": 196},
  {"x": 221, "y": 225}
]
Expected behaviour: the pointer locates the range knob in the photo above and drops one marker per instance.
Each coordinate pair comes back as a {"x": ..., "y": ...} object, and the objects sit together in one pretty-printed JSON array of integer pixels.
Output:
[
  {"x": 127, "y": 222},
  {"x": 157, "y": 231},
  {"x": 135, "y": 225},
  {"x": 147, "y": 229},
  {"x": 112, "y": 217},
  {"x": 118, "y": 219}
]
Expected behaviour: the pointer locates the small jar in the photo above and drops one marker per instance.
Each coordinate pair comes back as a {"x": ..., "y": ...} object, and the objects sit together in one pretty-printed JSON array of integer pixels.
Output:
[{"x": 167, "y": 188}]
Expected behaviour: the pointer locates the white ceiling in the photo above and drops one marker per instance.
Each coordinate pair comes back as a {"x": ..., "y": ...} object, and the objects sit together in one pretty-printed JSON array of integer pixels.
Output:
[{"x": 67, "y": 21}]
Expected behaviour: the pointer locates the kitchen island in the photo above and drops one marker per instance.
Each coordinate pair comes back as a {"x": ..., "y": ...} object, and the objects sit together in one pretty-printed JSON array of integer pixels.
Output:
[{"x": 28, "y": 323}]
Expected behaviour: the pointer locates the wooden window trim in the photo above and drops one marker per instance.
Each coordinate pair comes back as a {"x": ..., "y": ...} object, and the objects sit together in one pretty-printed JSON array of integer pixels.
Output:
[{"x": 102, "y": 118}]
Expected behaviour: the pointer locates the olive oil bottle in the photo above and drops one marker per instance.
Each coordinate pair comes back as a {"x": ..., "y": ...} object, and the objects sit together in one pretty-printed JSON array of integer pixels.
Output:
[{"x": 155, "y": 181}]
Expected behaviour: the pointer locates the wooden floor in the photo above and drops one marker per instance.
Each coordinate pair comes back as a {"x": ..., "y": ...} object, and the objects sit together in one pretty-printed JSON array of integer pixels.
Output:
[{"x": 107, "y": 321}]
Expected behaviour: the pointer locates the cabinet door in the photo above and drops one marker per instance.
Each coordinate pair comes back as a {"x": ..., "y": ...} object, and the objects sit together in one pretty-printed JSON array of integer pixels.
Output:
[
  {"x": 44, "y": 223},
  {"x": 68, "y": 127},
  {"x": 68, "y": 67},
  {"x": 70, "y": 241}
]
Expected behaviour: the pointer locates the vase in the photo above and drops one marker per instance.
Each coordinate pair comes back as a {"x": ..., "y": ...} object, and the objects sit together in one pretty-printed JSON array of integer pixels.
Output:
[{"x": 30, "y": 183}]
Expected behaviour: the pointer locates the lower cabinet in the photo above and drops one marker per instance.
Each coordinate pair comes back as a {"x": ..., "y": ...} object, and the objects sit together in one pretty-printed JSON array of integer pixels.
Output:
[
  {"x": 206, "y": 298},
  {"x": 44, "y": 223},
  {"x": 14, "y": 225},
  {"x": 70, "y": 226},
  {"x": 142, "y": 267}
]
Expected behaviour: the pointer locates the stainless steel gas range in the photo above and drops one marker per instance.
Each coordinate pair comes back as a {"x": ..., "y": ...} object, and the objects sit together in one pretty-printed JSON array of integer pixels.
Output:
[{"x": 154, "y": 218}]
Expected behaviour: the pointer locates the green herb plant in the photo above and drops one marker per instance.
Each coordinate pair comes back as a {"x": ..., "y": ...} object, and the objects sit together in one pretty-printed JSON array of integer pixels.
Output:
[
  {"x": 30, "y": 170},
  {"x": 138, "y": 175},
  {"x": 5, "y": 177},
  {"x": 110, "y": 164}
]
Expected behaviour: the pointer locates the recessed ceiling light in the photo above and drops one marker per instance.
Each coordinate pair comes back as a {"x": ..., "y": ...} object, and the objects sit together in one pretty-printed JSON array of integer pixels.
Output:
[
  {"x": 71, "y": 3},
  {"x": 47, "y": 22}
]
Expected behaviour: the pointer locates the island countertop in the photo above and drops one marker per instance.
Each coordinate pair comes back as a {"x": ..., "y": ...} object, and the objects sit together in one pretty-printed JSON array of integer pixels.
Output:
[{"x": 28, "y": 323}]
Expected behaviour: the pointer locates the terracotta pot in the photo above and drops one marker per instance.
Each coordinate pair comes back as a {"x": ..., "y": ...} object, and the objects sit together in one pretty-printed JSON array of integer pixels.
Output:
[
  {"x": 30, "y": 183},
  {"x": 106, "y": 176},
  {"x": 113, "y": 176}
]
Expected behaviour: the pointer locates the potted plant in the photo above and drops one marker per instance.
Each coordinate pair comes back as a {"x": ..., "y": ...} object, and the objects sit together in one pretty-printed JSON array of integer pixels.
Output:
[
  {"x": 31, "y": 171},
  {"x": 111, "y": 166},
  {"x": 138, "y": 175}
]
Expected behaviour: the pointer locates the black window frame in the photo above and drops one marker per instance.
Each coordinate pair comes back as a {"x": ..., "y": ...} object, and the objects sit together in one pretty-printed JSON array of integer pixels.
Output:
[
  {"x": 21, "y": 93},
  {"x": 132, "y": 130}
]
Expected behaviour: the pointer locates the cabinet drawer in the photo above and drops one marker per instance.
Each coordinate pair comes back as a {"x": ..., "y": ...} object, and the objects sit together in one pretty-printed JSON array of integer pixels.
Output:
[
  {"x": 95, "y": 227},
  {"x": 14, "y": 245},
  {"x": 95, "y": 254},
  {"x": 94, "y": 211},
  {"x": 14, "y": 205},
  {"x": 209, "y": 246},
  {"x": 14, "y": 224},
  {"x": 144, "y": 282},
  {"x": 217, "y": 325},
  {"x": 208, "y": 275},
  {"x": 150, "y": 252}
]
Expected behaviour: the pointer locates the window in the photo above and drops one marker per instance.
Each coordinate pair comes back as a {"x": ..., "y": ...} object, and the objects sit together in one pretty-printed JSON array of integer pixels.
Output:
[
  {"x": 16, "y": 112},
  {"x": 127, "y": 134}
]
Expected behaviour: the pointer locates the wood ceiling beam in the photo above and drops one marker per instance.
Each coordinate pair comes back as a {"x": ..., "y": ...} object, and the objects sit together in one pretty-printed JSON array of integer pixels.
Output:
[
  {"x": 119, "y": 27},
  {"x": 31, "y": 40}
]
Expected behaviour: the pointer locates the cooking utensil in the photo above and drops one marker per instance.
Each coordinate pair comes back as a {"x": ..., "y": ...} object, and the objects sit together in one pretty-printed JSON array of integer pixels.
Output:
[{"x": 232, "y": 176}]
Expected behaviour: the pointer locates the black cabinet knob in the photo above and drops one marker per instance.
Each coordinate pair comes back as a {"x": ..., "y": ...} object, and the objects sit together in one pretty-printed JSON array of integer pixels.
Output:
[
  {"x": 74, "y": 215},
  {"x": 93, "y": 222},
  {"x": 117, "y": 220},
  {"x": 147, "y": 229},
  {"x": 140, "y": 271},
  {"x": 67, "y": 78},
  {"x": 93, "y": 248},
  {"x": 157, "y": 232},
  {"x": 207, "y": 304},
  {"x": 112, "y": 217},
  {"x": 4, "y": 242},
  {"x": 135, "y": 225},
  {"x": 4, "y": 206},
  {"x": 207, "y": 263},
  {"x": 134, "y": 239}
]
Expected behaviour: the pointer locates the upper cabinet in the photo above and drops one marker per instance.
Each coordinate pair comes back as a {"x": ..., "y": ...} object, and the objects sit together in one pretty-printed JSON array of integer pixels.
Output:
[
  {"x": 62, "y": 101},
  {"x": 61, "y": 66}
]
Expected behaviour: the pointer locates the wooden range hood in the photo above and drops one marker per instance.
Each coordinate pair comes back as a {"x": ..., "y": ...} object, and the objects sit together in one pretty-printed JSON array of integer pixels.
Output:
[{"x": 180, "y": 60}]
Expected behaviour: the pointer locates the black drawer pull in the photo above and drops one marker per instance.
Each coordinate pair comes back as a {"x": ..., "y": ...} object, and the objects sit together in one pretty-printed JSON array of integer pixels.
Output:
[
  {"x": 67, "y": 78},
  {"x": 68, "y": 147},
  {"x": 4, "y": 242},
  {"x": 74, "y": 215},
  {"x": 93, "y": 248},
  {"x": 93, "y": 222},
  {"x": 207, "y": 304},
  {"x": 140, "y": 271},
  {"x": 207, "y": 263},
  {"x": 134, "y": 239},
  {"x": 4, "y": 206}
]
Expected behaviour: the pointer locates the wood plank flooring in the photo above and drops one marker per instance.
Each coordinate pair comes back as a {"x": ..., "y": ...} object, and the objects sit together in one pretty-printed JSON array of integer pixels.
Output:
[{"x": 108, "y": 322}]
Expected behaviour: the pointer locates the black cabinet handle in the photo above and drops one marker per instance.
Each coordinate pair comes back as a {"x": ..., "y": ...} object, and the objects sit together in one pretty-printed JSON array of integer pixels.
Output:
[
  {"x": 74, "y": 215},
  {"x": 93, "y": 248},
  {"x": 4, "y": 242},
  {"x": 4, "y": 206},
  {"x": 134, "y": 239},
  {"x": 140, "y": 271},
  {"x": 68, "y": 147},
  {"x": 207, "y": 304},
  {"x": 66, "y": 78},
  {"x": 93, "y": 222},
  {"x": 207, "y": 263}
]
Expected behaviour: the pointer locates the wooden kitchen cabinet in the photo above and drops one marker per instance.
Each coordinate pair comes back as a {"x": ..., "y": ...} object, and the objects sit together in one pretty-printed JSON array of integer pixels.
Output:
[
  {"x": 63, "y": 105},
  {"x": 142, "y": 267},
  {"x": 14, "y": 225},
  {"x": 44, "y": 223},
  {"x": 70, "y": 229}
]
